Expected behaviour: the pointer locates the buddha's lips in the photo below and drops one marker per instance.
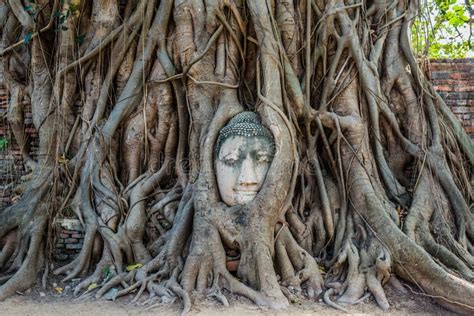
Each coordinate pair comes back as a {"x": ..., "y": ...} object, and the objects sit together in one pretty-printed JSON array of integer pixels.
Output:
[{"x": 246, "y": 191}]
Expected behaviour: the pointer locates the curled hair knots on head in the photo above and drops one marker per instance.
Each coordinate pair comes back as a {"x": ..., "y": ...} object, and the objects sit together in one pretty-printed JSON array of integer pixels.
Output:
[{"x": 246, "y": 124}]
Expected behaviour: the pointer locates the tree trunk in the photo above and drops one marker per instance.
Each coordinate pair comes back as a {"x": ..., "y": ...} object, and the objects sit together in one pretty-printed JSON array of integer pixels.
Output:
[{"x": 370, "y": 179}]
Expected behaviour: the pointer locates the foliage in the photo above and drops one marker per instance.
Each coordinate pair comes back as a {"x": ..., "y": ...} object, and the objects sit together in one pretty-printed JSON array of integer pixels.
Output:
[
  {"x": 443, "y": 29},
  {"x": 3, "y": 143}
]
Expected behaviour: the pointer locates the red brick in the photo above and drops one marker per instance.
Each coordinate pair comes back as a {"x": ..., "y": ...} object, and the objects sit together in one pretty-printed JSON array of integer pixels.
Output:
[
  {"x": 443, "y": 88},
  {"x": 456, "y": 76},
  {"x": 232, "y": 265}
]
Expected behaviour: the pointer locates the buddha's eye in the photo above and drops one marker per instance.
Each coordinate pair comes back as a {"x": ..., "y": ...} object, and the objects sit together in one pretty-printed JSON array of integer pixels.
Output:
[
  {"x": 230, "y": 161},
  {"x": 262, "y": 157}
]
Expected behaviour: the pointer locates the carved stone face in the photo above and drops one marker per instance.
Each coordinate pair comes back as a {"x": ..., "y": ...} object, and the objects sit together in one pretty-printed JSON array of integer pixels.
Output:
[{"x": 241, "y": 167}]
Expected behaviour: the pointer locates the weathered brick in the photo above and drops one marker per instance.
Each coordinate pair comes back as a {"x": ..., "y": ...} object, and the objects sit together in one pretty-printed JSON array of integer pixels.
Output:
[
  {"x": 461, "y": 109},
  {"x": 62, "y": 257},
  {"x": 455, "y": 75},
  {"x": 70, "y": 225},
  {"x": 73, "y": 246},
  {"x": 460, "y": 96},
  {"x": 70, "y": 240},
  {"x": 443, "y": 88},
  {"x": 439, "y": 75}
]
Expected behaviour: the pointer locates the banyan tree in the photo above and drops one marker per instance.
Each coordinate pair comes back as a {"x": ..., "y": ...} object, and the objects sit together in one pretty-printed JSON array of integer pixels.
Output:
[{"x": 362, "y": 173}]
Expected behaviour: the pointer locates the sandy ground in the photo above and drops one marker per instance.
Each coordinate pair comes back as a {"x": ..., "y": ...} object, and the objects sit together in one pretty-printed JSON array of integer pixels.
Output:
[{"x": 48, "y": 302}]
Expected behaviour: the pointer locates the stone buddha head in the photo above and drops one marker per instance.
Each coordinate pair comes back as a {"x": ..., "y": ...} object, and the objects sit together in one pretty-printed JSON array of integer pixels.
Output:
[{"x": 243, "y": 153}]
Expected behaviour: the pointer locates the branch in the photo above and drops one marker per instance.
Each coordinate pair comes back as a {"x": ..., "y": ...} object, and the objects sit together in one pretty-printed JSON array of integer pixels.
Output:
[{"x": 35, "y": 34}]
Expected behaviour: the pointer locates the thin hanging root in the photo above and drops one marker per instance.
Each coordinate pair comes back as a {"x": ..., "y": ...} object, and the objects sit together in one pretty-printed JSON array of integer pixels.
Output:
[{"x": 327, "y": 300}]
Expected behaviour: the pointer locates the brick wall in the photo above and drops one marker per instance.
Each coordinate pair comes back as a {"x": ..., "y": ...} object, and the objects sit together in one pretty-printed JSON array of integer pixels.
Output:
[
  {"x": 69, "y": 239},
  {"x": 454, "y": 81},
  {"x": 11, "y": 166}
]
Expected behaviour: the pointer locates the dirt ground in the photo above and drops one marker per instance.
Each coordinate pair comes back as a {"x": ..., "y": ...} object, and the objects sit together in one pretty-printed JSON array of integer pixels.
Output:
[{"x": 49, "y": 302}]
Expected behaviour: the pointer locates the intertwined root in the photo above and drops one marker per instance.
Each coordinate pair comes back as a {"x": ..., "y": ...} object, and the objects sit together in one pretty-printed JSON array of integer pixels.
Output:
[
  {"x": 366, "y": 270},
  {"x": 297, "y": 267}
]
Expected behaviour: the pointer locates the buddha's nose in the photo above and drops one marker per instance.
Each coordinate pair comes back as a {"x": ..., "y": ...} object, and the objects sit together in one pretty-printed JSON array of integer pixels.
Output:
[{"x": 247, "y": 176}]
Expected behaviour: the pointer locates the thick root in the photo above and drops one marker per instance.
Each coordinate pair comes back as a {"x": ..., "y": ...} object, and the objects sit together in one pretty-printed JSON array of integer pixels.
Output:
[
  {"x": 365, "y": 272},
  {"x": 296, "y": 265}
]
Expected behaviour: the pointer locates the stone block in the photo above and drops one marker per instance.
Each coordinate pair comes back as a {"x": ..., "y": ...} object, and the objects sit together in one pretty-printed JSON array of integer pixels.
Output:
[
  {"x": 436, "y": 75},
  {"x": 73, "y": 246},
  {"x": 62, "y": 257},
  {"x": 70, "y": 224}
]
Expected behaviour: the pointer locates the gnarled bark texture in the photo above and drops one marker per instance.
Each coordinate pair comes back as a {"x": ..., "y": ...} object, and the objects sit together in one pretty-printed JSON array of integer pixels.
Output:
[{"x": 371, "y": 178}]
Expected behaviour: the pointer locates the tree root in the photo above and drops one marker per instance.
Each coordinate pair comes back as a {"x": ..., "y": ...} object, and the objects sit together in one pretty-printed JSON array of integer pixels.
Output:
[
  {"x": 291, "y": 256},
  {"x": 141, "y": 144},
  {"x": 364, "y": 272},
  {"x": 327, "y": 300}
]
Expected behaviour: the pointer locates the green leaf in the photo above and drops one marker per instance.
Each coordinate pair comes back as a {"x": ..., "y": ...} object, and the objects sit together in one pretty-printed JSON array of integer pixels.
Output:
[
  {"x": 442, "y": 29},
  {"x": 3, "y": 143},
  {"x": 92, "y": 286},
  {"x": 106, "y": 272},
  {"x": 134, "y": 266},
  {"x": 80, "y": 39}
]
